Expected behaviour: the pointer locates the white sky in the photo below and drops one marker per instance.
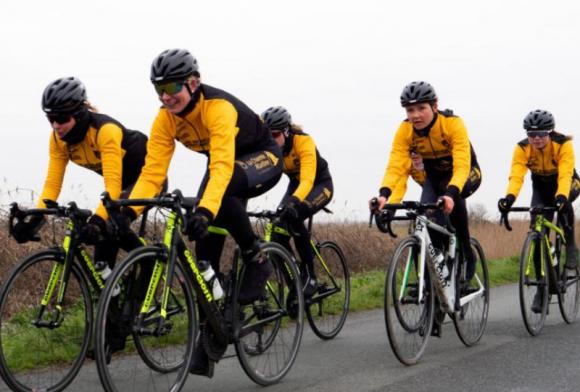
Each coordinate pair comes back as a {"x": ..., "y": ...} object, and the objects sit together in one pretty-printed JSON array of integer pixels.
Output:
[{"x": 338, "y": 66}]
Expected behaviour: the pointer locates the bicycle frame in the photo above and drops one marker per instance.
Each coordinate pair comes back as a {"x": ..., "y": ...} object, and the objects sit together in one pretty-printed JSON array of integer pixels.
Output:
[
  {"x": 541, "y": 226},
  {"x": 422, "y": 224}
]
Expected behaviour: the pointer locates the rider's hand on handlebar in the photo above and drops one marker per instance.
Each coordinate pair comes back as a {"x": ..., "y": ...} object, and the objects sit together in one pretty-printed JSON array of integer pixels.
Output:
[
  {"x": 448, "y": 204},
  {"x": 561, "y": 202},
  {"x": 376, "y": 204},
  {"x": 505, "y": 203},
  {"x": 122, "y": 219},
  {"x": 198, "y": 223},
  {"x": 25, "y": 230},
  {"x": 94, "y": 231},
  {"x": 289, "y": 208}
]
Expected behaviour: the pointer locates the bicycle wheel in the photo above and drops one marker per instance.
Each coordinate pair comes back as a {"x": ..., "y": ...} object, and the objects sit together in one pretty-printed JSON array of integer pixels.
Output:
[
  {"x": 157, "y": 357},
  {"x": 533, "y": 280},
  {"x": 40, "y": 351},
  {"x": 408, "y": 316},
  {"x": 470, "y": 320},
  {"x": 267, "y": 337},
  {"x": 327, "y": 308},
  {"x": 569, "y": 294}
]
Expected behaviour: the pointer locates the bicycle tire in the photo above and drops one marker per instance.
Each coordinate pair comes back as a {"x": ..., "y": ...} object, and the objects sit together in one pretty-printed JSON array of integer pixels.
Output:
[
  {"x": 529, "y": 282},
  {"x": 471, "y": 319},
  {"x": 408, "y": 318},
  {"x": 327, "y": 313},
  {"x": 268, "y": 339},
  {"x": 56, "y": 354},
  {"x": 569, "y": 292},
  {"x": 153, "y": 360}
]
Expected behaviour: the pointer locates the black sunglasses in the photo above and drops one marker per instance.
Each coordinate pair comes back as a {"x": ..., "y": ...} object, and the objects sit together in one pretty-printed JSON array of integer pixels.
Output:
[
  {"x": 59, "y": 118},
  {"x": 534, "y": 134}
]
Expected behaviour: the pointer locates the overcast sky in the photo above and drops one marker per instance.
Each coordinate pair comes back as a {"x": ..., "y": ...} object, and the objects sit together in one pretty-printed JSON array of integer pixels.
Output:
[{"x": 338, "y": 66}]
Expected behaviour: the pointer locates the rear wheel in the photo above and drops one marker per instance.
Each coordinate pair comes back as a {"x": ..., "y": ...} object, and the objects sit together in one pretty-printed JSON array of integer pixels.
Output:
[
  {"x": 158, "y": 356},
  {"x": 327, "y": 308},
  {"x": 408, "y": 309},
  {"x": 269, "y": 331},
  {"x": 470, "y": 320},
  {"x": 42, "y": 348},
  {"x": 533, "y": 285}
]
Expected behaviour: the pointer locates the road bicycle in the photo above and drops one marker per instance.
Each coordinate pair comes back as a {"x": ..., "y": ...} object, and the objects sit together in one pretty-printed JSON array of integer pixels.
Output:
[
  {"x": 415, "y": 279},
  {"x": 327, "y": 308},
  {"x": 170, "y": 287},
  {"x": 46, "y": 305},
  {"x": 542, "y": 269}
]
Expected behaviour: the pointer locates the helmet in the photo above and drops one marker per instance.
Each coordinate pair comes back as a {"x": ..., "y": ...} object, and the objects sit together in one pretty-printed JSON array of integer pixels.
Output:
[
  {"x": 277, "y": 117},
  {"x": 417, "y": 92},
  {"x": 173, "y": 64},
  {"x": 64, "y": 95},
  {"x": 539, "y": 120}
]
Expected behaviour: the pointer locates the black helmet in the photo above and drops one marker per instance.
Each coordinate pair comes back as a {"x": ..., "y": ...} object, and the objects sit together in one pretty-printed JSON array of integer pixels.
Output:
[
  {"x": 539, "y": 120},
  {"x": 64, "y": 95},
  {"x": 277, "y": 117},
  {"x": 173, "y": 64},
  {"x": 418, "y": 92}
]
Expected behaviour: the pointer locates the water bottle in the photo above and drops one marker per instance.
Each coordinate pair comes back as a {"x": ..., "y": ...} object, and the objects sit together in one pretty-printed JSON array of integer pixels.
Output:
[
  {"x": 441, "y": 266},
  {"x": 102, "y": 267},
  {"x": 210, "y": 277},
  {"x": 554, "y": 256}
]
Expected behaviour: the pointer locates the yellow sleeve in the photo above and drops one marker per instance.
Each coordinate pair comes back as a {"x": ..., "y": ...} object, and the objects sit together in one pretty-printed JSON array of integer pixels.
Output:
[
  {"x": 109, "y": 139},
  {"x": 399, "y": 160},
  {"x": 398, "y": 193},
  {"x": 566, "y": 166},
  {"x": 461, "y": 153},
  {"x": 58, "y": 159},
  {"x": 306, "y": 150},
  {"x": 518, "y": 171},
  {"x": 160, "y": 148},
  {"x": 221, "y": 119}
]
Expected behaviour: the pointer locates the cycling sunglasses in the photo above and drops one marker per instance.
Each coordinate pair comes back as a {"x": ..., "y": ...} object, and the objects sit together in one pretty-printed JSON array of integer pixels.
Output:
[
  {"x": 170, "y": 88},
  {"x": 534, "y": 134},
  {"x": 59, "y": 118}
]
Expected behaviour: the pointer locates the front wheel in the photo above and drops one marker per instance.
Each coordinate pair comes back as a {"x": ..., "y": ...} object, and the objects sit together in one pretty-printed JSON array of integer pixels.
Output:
[
  {"x": 569, "y": 293},
  {"x": 269, "y": 330},
  {"x": 471, "y": 318},
  {"x": 327, "y": 308},
  {"x": 157, "y": 357},
  {"x": 409, "y": 303},
  {"x": 533, "y": 284},
  {"x": 43, "y": 344}
]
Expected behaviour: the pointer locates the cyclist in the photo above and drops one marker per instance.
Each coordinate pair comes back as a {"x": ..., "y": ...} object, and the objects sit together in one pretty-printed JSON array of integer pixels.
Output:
[
  {"x": 94, "y": 141},
  {"x": 451, "y": 170},
  {"x": 309, "y": 190},
  {"x": 550, "y": 157},
  {"x": 243, "y": 162}
]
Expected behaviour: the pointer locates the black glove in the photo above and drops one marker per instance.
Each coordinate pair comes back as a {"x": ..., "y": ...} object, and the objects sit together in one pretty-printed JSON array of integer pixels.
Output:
[
  {"x": 561, "y": 203},
  {"x": 122, "y": 219},
  {"x": 505, "y": 203},
  {"x": 25, "y": 230},
  {"x": 197, "y": 223},
  {"x": 289, "y": 209},
  {"x": 94, "y": 231}
]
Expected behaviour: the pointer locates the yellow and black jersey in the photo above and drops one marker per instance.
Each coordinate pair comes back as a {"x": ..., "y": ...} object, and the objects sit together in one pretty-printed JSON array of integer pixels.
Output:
[
  {"x": 219, "y": 126},
  {"x": 444, "y": 147},
  {"x": 554, "y": 163},
  {"x": 108, "y": 149},
  {"x": 303, "y": 163}
]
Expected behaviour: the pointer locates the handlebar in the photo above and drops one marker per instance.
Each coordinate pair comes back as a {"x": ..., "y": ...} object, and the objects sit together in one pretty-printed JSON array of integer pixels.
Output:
[
  {"x": 174, "y": 201},
  {"x": 71, "y": 211},
  {"x": 533, "y": 210},
  {"x": 384, "y": 217}
]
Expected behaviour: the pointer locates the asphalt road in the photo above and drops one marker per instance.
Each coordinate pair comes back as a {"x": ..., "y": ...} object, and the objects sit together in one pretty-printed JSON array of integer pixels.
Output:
[{"x": 360, "y": 359}]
